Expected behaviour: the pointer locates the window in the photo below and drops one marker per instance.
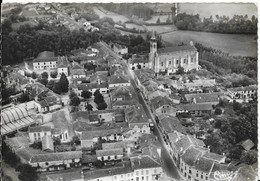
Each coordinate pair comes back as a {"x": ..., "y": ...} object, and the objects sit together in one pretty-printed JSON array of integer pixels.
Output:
[
  {"x": 170, "y": 62},
  {"x": 142, "y": 172},
  {"x": 191, "y": 60},
  {"x": 38, "y": 134},
  {"x": 142, "y": 178},
  {"x": 190, "y": 171},
  {"x": 121, "y": 176},
  {"x": 147, "y": 177},
  {"x": 201, "y": 176},
  {"x": 35, "y": 135},
  {"x": 177, "y": 62},
  {"x": 46, "y": 163},
  {"x": 161, "y": 63},
  {"x": 45, "y": 134},
  {"x": 137, "y": 172},
  {"x": 38, "y": 63},
  {"x": 115, "y": 177},
  {"x": 147, "y": 172}
]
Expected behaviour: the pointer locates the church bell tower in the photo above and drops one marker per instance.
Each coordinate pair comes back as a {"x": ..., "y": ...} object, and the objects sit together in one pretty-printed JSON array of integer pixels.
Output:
[{"x": 153, "y": 51}]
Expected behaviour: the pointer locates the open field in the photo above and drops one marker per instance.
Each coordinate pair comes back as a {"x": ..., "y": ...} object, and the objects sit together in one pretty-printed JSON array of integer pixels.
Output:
[
  {"x": 162, "y": 28},
  {"x": 205, "y": 10},
  {"x": 234, "y": 44},
  {"x": 104, "y": 13}
]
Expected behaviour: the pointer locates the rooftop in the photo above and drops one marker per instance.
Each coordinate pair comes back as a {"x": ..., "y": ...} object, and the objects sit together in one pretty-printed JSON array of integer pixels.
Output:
[
  {"x": 109, "y": 152},
  {"x": 177, "y": 49},
  {"x": 195, "y": 107},
  {"x": 39, "y": 129},
  {"x": 204, "y": 97},
  {"x": 170, "y": 124},
  {"x": 159, "y": 101}
]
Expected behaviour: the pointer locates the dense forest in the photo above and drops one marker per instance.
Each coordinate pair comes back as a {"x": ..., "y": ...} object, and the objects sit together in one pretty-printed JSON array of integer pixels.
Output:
[
  {"x": 222, "y": 24},
  {"x": 130, "y": 10},
  {"x": 235, "y": 64},
  {"x": 28, "y": 42}
]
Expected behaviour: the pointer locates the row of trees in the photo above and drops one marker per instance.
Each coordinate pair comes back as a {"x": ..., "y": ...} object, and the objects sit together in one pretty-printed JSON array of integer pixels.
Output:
[
  {"x": 222, "y": 24},
  {"x": 235, "y": 64}
]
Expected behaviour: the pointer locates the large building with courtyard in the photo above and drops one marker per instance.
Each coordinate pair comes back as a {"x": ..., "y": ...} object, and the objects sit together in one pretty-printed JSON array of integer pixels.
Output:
[{"x": 169, "y": 59}]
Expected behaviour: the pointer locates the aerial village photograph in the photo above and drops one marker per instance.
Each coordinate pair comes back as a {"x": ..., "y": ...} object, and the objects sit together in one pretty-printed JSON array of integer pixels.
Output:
[{"x": 129, "y": 91}]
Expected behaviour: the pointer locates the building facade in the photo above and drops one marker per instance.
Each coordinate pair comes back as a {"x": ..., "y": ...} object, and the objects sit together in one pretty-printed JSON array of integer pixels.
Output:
[{"x": 169, "y": 59}]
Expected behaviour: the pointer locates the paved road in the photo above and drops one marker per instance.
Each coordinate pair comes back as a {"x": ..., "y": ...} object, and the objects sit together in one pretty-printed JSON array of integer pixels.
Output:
[{"x": 167, "y": 162}]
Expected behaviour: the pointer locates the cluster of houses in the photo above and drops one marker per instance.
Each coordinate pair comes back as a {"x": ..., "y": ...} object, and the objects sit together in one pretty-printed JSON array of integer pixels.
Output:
[{"x": 119, "y": 134}]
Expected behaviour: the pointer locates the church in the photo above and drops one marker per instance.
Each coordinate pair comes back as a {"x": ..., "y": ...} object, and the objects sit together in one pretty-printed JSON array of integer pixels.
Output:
[{"x": 169, "y": 59}]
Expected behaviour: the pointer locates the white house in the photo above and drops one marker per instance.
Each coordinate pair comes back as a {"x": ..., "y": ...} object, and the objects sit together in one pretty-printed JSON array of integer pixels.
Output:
[
  {"x": 63, "y": 66},
  {"x": 37, "y": 133},
  {"x": 45, "y": 60}
]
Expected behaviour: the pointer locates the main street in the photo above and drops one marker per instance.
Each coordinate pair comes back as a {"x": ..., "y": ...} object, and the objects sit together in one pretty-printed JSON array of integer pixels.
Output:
[{"x": 167, "y": 162}]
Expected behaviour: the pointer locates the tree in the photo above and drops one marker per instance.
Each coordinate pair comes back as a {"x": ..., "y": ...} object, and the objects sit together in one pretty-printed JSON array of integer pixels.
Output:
[
  {"x": 96, "y": 92},
  {"x": 43, "y": 81},
  {"x": 57, "y": 88},
  {"x": 54, "y": 74},
  {"x": 99, "y": 98},
  {"x": 102, "y": 106},
  {"x": 34, "y": 75},
  {"x": 86, "y": 94},
  {"x": 75, "y": 140},
  {"x": 72, "y": 94},
  {"x": 139, "y": 66},
  {"x": 24, "y": 98},
  {"x": 180, "y": 70},
  {"x": 249, "y": 157},
  {"x": 27, "y": 173},
  {"x": 89, "y": 107},
  {"x": 56, "y": 141},
  {"x": 158, "y": 21},
  {"x": 75, "y": 101},
  {"x": 64, "y": 83},
  {"x": 50, "y": 84},
  {"x": 45, "y": 75},
  {"x": 218, "y": 111},
  {"x": 236, "y": 106},
  {"x": 98, "y": 164}
]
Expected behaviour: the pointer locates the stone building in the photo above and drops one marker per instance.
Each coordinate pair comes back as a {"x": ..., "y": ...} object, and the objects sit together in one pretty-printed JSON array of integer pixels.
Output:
[{"x": 169, "y": 59}]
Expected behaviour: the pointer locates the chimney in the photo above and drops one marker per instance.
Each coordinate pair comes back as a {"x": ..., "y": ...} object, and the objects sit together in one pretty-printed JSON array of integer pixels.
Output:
[
  {"x": 99, "y": 81},
  {"x": 191, "y": 43},
  {"x": 139, "y": 160}
]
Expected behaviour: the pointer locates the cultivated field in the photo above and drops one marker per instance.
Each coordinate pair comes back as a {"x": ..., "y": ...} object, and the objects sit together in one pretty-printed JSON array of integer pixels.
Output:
[
  {"x": 234, "y": 44},
  {"x": 104, "y": 13},
  {"x": 154, "y": 19}
]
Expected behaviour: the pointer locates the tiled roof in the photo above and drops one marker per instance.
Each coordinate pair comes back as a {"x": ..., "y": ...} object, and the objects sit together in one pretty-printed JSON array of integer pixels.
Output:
[
  {"x": 174, "y": 136},
  {"x": 58, "y": 156},
  {"x": 143, "y": 162},
  {"x": 214, "y": 156},
  {"x": 247, "y": 144},
  {"x": 124, "y": 92},
  {"x": 176, "y": 49},
  {"x": 94, "y": 78},
  {"x": 47, "y": 143},
  {"x": 120, "y": 144},
  {"x": 159, "y": 101},
  {"x": 89, "y": 86},
  {"x": 203, "y": 164},
  {"x": 80, "y": 116},
  {"x": 157, "y": 93},
  {"x": 136, "y": 114},
  {"x": 86, "y": 135},
  {"x": 86, "y": 158},
  {"x": 187, "y": 141},
  {"x": 117, "y": 79},
  {"x": 60, "y": 121},
  {"x": 110, "y": 152},
  {"x": 45, "y": 56},
  {"x": 191, "y": 155},
  {"x": 195, "y": 107},
  {"x": 247, "y": 172},
  {"x": 170, "y": 124},
  {"x": 247, "y": 88},
  {"x": 204, "y": 97},
  {"x": 39, "y": 129}
]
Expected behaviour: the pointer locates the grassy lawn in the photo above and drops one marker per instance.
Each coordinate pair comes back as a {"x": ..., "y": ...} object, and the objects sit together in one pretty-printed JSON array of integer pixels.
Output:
[
  {"x": 234, "y": 44},
  {"x": 104, "y": 13}
]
